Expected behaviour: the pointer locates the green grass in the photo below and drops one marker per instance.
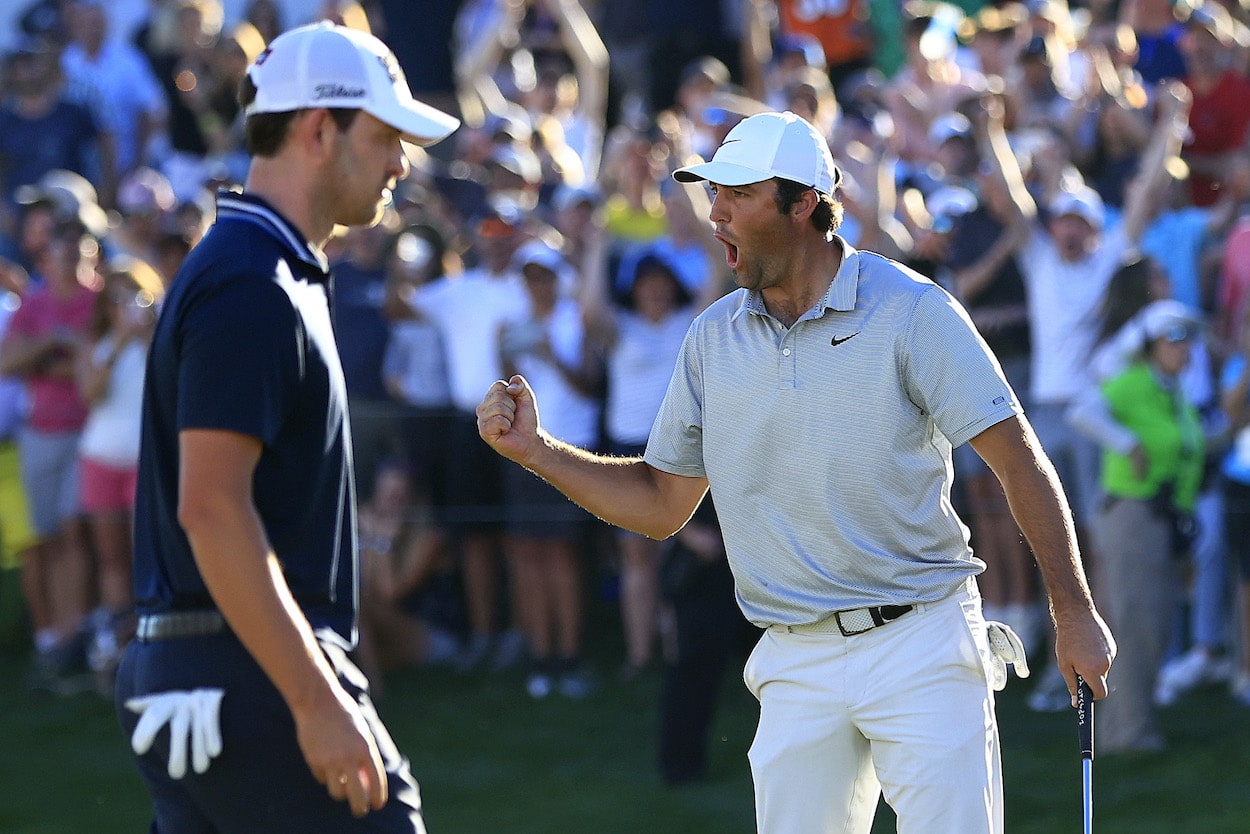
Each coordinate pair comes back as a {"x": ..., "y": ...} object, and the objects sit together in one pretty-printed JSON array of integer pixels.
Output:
[{"x": 491, "y": 760}]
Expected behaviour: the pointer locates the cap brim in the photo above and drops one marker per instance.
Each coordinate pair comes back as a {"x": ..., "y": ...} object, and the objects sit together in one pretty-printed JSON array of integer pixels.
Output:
[
  {"x": 419, "y": 123},
  {"x": 24, "y": 195},
  {"x": 721, "y": 173}
]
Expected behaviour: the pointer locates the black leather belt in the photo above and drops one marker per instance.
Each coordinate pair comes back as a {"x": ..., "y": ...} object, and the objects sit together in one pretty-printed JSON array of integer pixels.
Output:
[{"x": 175, "y": 624}]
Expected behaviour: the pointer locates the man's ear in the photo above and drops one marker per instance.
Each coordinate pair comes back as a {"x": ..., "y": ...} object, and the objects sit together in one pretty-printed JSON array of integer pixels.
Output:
[
  {"x": 802, "y": 208},
  {"x": 316, "y": 131}
]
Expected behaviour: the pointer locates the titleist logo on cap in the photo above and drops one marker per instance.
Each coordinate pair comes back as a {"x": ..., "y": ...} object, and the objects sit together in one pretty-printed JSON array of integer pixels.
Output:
[{"x": 337, "y": 91}]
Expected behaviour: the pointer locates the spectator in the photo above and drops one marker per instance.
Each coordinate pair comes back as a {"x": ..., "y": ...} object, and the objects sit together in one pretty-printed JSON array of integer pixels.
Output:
[
  {"x": 634, "y": 162},
  {"x": 37, "y": 216},
  {"x": 1040, "y": 99},
  {"x": 1158, "y": 34},
  {"x": 1152, "y": 441},
  {"x": 987, "y": 279},
  {"x": 642, "y": 332},
  {"x": 41, "y": 130},
  {"x": 700, "y": 80},
  {"x": 1140, "y": 283},
  {"x": 182, "y": 59},
  {"x": 682, "y": 32},
  {"x": 414, "y": 366},
  {"x": 996, "y": 35},
  {"x": 18, "y": 543},
  {"x": 401, "y": 555},
  {"x": 171, "y": 249},
  {"x": 571, "y": 82},
  {"x": 811, "y": 96},
  {"x": 710, "y": 630},
  {"x": 574, "y": 210},
  {"x": 113, "y": 78},
  {"x": 468, "y": 310},
  {"x": 843, "y": 31},
  {"x": 552, "y": 348},
  {"x": 1217, "y": 119},
  {"x": 145, "y": 203},
  {"x": 362, "y": 327},
  {"x": 1185, "y": 239},
  {"x": 109, "y": 372},
  {"x": 266, "y": 16},
  {"x": 221, "y": 117},
  {"x": 1110, "y": 126},
  {"x": 1235, "y": 469},
  {"x": 39, "y": 347},
  {"x": 1066, "y": 263},
  {"x": 931, "y": 84}
]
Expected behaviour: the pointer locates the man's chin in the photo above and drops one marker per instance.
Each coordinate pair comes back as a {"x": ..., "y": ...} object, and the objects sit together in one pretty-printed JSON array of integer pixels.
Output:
[{"x": 363, "y": 218}]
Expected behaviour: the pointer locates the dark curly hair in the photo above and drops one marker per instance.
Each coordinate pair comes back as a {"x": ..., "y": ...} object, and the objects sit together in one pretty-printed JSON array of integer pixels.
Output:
[{"x": 826, "y": 217}]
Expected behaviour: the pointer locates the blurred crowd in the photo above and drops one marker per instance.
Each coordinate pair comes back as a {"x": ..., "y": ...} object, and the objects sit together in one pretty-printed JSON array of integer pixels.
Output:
[{"x": 1077, "y": 176}]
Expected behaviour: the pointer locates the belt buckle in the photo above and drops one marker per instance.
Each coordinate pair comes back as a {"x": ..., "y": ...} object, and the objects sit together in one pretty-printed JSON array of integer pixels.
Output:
[{"x": 837, "y": 618}]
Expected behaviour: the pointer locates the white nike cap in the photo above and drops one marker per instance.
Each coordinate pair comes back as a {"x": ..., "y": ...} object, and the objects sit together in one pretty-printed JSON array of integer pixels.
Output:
[
  {"x": 324, "y": 65},
  {"x": 769, "y": 145}
]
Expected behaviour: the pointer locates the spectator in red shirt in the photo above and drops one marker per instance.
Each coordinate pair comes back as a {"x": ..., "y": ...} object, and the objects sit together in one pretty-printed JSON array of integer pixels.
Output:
[{"x": 1219, "y": 117}]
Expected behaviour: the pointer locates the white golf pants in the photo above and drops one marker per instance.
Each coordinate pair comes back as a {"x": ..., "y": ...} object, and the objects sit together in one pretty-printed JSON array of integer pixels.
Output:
[{"x": 905, "y": 709}]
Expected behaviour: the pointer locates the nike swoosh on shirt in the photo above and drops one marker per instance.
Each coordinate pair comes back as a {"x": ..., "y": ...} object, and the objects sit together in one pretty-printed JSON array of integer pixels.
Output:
[{"x": 835, "y": 341}]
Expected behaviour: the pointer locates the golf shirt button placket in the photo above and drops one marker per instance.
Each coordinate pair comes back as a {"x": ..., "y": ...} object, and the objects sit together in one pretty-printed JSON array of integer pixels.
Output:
[{"x": 785, "y": 352}]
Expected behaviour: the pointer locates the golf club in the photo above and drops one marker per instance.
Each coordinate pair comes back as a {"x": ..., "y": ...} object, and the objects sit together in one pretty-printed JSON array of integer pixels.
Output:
[{"x": 1085, "y": 724}]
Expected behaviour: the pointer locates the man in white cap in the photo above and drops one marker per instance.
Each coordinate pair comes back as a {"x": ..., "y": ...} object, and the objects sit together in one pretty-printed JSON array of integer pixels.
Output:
[
  {"x": 820, "y": 402},
  {"x": 245, "y": 537}
]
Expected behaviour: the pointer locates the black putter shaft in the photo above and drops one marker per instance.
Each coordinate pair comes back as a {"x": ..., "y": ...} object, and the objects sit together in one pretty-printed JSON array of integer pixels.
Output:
[{"x": 1085, "y": 725}]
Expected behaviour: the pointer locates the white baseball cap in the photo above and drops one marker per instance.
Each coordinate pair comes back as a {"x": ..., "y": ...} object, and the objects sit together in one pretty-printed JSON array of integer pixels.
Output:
[
  {"x": 1082, "y": 202},
  {"x": 769, "y": 145},
  {"x": 325, "y": 65},
  {"x": 1169, "y": 319}
]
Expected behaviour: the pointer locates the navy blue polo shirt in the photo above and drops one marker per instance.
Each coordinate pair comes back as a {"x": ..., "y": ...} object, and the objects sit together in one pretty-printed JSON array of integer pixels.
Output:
[{"x": 244, "y": 343}]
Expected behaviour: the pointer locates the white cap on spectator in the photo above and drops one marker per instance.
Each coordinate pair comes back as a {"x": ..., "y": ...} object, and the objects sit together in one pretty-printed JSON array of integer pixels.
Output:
[
  {"x": 950, "y": 201},
  {"x": 769, "y": 145},
  {"x": 950, "y": 126},
  {"x": 72, "y": 196},
  {"x": 567, "y": 196},
  {"x": 145, "y": 190},
  {"x": 1168, "y": 319},
  {"x": 537, "y": 252},
  {"x": 540, "y": 253},
  {"x": 1083, "y": 202},
  {"x": 324, "y": 65},
  {"x": 519, "y": 160}
]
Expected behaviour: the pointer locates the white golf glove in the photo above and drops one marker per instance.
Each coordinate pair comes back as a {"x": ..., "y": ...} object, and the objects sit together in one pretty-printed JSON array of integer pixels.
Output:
[
  {"x": 1005, "y": 647},
  {"x": 194, "y": 722}
]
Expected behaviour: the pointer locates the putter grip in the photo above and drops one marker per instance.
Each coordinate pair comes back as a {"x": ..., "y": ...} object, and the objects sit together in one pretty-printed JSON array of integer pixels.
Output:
[{"x": 1085, "y": 717}]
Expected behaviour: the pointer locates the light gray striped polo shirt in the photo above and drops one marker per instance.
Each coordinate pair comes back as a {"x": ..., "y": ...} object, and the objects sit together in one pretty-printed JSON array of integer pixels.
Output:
[{"x": 828, "y": 445}]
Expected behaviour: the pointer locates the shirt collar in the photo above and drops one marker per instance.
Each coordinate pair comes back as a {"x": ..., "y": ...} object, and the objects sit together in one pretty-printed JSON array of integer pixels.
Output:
[
  {"x": 839, "y": 296},
  {"x": 232, "y": 205}
]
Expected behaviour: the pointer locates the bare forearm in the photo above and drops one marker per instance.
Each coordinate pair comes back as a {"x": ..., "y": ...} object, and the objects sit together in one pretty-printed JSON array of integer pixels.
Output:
[
  {"x": 626, "y": 492},
  {"x": 22, "y": 355},
  {"x": 246, "y": 582},
  {"x": 1036, "y": 499}
]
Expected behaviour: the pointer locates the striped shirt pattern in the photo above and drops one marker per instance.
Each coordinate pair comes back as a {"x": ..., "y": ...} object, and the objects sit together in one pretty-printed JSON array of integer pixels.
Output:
[{"x": 828, "y": 445}]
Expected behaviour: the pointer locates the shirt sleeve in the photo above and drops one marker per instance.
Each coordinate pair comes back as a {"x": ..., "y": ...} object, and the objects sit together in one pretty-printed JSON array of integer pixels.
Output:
[
  {"x": 949, "y": 371},
  {"x": 676, "y": 441},
  {"x": 242, "y": 358}
]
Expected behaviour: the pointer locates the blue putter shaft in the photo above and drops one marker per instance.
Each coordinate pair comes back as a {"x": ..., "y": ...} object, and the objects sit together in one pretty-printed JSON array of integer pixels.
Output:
[{"x": 1085, "y": 725}]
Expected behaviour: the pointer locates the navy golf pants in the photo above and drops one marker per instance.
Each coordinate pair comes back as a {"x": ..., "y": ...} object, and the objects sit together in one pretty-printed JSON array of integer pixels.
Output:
[{"x": 260, "y": 783}]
